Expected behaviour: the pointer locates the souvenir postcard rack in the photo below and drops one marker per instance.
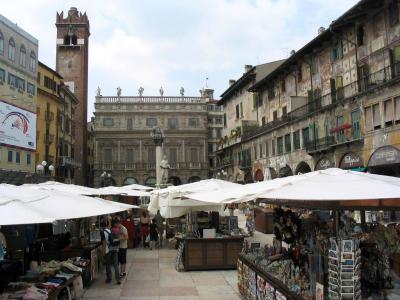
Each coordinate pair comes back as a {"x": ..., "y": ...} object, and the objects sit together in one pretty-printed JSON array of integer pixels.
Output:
[{"x": 344, "y": 270}]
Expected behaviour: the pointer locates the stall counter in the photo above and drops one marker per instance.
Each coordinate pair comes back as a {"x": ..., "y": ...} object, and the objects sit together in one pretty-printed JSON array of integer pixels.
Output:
[{"x": 211, "y": 253}]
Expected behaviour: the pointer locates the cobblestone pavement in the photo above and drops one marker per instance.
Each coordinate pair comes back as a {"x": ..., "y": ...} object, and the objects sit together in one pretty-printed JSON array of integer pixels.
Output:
[{"x": 151, "y": 275}]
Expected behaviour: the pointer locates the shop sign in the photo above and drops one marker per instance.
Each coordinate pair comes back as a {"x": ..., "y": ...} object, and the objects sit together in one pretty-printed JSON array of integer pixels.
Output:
[
  {"x": 323, "y": 163},
  {"x": 385, "y": 155},
  {"x": 350, "y": 160}
]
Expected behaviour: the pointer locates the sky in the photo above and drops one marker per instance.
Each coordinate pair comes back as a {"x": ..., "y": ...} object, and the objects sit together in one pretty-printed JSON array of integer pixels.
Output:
[{"x": 177, "y": 43}]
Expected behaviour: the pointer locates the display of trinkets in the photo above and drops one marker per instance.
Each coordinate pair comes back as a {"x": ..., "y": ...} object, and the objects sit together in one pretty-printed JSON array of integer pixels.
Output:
[
  {"x": 252, "y": 285},
  {"x": 344, "y": 269}
]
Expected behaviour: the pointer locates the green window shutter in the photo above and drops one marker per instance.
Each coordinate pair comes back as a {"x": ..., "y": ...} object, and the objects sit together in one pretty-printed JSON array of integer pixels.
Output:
[{"x": 397, "y": 54}]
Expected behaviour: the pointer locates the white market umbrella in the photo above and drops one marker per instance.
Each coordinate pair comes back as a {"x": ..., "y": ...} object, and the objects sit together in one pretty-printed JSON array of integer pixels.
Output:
[
  {"x": 116, "y": 190},
  {"x": 338, "y": 188},
  {"x": 138, "y": 187},
  {"x": 63, "y": 187},
  {"x": 13, "y": 212},
  {"x": 240, "y": 193},
  {"x": 172, "y": 201},
  {"x": 59, "y": 205}
]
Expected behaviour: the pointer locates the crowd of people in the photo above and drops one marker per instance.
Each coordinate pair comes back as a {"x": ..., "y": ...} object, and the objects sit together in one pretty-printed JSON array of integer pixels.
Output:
[{"x": 120, "y": 233}]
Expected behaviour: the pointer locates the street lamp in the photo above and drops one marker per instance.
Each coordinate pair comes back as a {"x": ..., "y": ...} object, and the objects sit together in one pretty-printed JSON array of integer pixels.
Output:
[{"x": 105, "y": 179}]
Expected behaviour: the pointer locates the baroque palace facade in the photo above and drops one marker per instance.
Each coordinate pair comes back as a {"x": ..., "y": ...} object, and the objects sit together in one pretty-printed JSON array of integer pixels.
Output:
[
  {"x": 333, "y": 103},
  {"x": 125, "y": 150}
]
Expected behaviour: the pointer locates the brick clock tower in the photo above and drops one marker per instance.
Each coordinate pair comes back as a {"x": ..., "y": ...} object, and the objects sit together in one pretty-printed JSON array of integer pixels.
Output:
[{"x": 72, "y": 63}]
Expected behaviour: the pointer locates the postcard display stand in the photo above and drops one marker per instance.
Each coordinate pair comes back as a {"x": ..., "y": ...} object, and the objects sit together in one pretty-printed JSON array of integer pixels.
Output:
[{"x": 344, "y": 270}]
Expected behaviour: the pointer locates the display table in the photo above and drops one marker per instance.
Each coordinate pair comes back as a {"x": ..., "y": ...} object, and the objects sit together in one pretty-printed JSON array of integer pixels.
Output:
[
  {"x": 255, "y": 283},
  {"x": 211, "y": 254},
  {"x": 264, "y": 220}
]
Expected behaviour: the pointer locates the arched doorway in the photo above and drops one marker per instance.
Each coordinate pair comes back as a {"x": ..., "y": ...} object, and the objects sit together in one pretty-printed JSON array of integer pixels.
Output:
[
  {"x": 285, "y": 171},
  {"x": 302, "y": 168},
  {"x": 385, "y": 161},
  {"x": 194, "y": 179},
  {"x": 174, "y": 180},
  {"x": 258, "y": 175},
  {"x": 130, "y": 180},
  {"x": 323, "y": 164},
  {"x": 150, "y": 181}
]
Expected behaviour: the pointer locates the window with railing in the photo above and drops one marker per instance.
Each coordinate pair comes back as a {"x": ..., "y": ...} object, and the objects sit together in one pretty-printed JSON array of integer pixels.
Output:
[{"x": 279, "y": 144}]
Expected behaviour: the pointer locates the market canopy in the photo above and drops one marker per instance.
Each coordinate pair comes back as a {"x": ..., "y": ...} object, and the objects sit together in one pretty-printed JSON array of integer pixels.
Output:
[
  {"x": 28, "y": 205},
  {"x": 240, "y": 193},
  {"x": 138, "y": 187},
  {"x": 172, "y": 201},
  {"x": 63, "y": 187},
  {"x": 117, "y": 190},
  {"x": 336, "y": 188}
]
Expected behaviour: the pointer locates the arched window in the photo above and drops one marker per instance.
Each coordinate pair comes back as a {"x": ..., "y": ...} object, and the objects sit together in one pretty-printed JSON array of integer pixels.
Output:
[
  {"x": 11, "y": 49},
  {"x": 130, "y": 180},
  {"x": 22, "y": 56},
  {"x": 1, "y": 43},
  {"x": 32, "y": 62}
]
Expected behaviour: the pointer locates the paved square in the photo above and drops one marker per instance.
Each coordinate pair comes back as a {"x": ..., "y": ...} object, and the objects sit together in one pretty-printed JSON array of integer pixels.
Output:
[{"x": 151, "y": 275}]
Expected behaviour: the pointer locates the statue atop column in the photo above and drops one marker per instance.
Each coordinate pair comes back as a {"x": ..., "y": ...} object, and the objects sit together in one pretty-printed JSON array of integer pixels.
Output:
[
  {"x": 182, "y": 91},
  {"x": 164, "y": 165},
  {"x": 141, "y": 90},
  {"x": 161, "y": 91},
  {"x": 98, "y": 92},
  {"x": 157, "y": 135},
  {"x": 119, "y": 91}
]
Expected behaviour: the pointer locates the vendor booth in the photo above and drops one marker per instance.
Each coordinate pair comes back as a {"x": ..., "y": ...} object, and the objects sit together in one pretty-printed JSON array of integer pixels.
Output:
[
  {"x": 319, "y": 250},
  {"x": 205, "y": 240},
  {"x": 52, "y": 241}
]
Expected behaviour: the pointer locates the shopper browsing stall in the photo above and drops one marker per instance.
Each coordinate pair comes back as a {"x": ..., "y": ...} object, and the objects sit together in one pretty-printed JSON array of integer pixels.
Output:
[{"x": 110, "y": 242}]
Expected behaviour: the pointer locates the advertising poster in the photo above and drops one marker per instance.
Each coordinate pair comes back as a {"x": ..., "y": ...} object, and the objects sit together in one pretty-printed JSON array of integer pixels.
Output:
[{"x": 17, "y": 126}]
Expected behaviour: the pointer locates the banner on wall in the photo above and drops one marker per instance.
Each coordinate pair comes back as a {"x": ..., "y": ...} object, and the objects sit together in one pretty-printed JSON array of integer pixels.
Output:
[{"x": 17, "y": 126}]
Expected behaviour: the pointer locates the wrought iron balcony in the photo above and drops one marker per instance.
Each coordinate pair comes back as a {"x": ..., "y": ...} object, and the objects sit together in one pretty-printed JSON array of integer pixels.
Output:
[
  {"x": 320, "y": 144},
  {"x": 67, "y": 161}
]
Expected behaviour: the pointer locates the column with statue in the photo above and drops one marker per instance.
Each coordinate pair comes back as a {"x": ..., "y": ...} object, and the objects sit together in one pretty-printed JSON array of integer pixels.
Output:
[{"x": 162, "y": 165}]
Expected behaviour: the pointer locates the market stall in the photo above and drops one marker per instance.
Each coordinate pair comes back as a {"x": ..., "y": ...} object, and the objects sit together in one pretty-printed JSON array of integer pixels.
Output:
[
  {"x": 319, "y": 251},
  {"x": 52, "y": 246},
  {"x": 206, "y": 240}
]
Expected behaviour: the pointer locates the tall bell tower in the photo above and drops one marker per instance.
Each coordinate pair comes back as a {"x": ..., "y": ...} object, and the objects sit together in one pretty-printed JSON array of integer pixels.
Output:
[{"x": 72, "y": 55}]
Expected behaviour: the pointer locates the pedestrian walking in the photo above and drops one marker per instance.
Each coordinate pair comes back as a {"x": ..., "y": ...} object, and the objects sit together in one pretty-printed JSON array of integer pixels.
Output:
[
  {"x": 110, "y": 245},
  {"x": 153, "y": 234}
]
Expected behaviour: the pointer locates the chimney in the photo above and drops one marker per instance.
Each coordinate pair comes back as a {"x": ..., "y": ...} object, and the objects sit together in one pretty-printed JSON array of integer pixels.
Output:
[
  {"x": 321, "y": 30},
  {"x": 247, "y": 68},
  {"x": 231, "y": 82}
]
